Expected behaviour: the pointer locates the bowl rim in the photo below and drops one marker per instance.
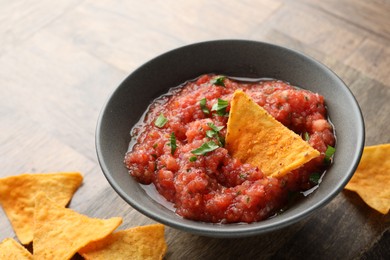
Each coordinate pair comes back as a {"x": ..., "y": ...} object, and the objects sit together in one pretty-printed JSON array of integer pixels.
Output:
[{"x": 229, "y": 230}]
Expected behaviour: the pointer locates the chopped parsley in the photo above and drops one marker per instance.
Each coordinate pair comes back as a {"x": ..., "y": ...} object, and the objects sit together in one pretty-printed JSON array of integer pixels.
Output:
[
  {"x": 160, "y": 121},
  {"x": 221, "y": 140},
  {"x": 205, "y": 148},
  {"x": 193, "y": 158},
  {"x": 214, "y": 132},
  {"x": 210, "y": 133},
  {"x": 218, "y": 81},
  {"x": 315, "y": 178},
  {"x": 306, "y": 136},
  {"x": 203, "y": 106},
  {"x": 172, "y": 143},
  {"x": 215, "y": 128},
  {"x": 220, "y": 107},
  {"x": 329, "y": 153}
]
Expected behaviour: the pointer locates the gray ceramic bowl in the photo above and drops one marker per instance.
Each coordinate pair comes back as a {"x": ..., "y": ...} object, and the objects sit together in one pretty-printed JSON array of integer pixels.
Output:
[{"x": 234, "y": 58}]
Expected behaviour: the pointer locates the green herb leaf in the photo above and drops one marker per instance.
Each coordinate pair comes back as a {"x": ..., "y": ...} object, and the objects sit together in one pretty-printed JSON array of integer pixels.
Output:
[
  {"x": 221, "y": 140},
  {"x": 220, "y": 107},
  {"x": 203, "y": 106},
  {"x": 160, "y": 121},
  {"x": 315, "y": 178},
  {"x": 193, "y": 158},
  {"x": 215, "y": 133},
  {"x": 329, "y": 153},
  {"x": 205, "y": 148},
  {"x": 215, "y": 128},
  {"x": 218, "y": 81},
  {"x": 306, "y": 136},
  {"x": 210, "y": 133},
  {"x": 172, "y": 143}
]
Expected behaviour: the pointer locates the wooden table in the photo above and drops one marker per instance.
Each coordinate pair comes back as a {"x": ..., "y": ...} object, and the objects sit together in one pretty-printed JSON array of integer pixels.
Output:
[{"x": 59, "y": 61}]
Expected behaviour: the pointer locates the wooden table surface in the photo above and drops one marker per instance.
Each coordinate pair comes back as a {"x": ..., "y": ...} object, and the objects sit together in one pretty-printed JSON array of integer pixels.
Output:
[{"x": 59, "y": 61}]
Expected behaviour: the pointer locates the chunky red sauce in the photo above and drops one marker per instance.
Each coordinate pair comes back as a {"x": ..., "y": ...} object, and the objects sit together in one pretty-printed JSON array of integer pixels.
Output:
[{"x": 216, "y": 187}]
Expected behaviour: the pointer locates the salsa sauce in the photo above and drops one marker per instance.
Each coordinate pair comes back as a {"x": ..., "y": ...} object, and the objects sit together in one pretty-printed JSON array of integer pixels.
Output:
[{"x": 215, "y": 187}]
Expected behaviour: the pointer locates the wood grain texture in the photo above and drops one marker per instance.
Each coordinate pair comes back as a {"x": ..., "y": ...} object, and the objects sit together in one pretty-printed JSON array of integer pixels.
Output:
[
  {"x": 371, "y": 16},
  {"x": 60, "y": 60}
]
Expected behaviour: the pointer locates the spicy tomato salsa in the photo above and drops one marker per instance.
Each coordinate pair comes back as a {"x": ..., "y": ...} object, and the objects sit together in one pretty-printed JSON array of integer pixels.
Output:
[{"x": 172, "y": 149}]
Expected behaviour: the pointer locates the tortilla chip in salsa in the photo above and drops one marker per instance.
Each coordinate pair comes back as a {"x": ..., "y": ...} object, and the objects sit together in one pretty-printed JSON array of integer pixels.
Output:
[{"x": 255, "y": 137}]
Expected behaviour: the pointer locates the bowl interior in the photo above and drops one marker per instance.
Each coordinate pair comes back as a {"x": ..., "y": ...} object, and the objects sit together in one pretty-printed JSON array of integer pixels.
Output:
[{"x": 233, "y": 58}]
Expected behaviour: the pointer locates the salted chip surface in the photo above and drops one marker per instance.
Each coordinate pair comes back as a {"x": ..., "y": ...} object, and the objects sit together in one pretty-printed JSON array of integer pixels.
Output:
[
  {"x": 60, "y": 232},
  {"x": 145, "y": 242},
  {"x": 10, "y": 249},
  {"x": 255, "y": 137},
  {"x": 17, "y": 195},
  {"x": 372, "y": 177}
]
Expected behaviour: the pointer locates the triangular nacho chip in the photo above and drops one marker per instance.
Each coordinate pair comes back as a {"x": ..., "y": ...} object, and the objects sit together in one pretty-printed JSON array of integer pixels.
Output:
[
  {"x": 60, "y": 232},
  {"x": 145, "y": 242},
  {"x": 17, "y": 195},
  {"x": 255, "y": 137},
  {"x": 10, "y": 249},
  {"x": 372, "y": 177}
]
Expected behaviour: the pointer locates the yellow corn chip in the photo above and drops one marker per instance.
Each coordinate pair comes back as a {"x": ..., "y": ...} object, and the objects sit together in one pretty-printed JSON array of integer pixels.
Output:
[
  {"x": 60, "y": 232},
  {"x": 17, "y": 195},
  {"x": 145, "y": 242},
  {"x": 372, "y": 178},
  {"x": 255, "y": 137},
  {"x": 10, "y": 249}
]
